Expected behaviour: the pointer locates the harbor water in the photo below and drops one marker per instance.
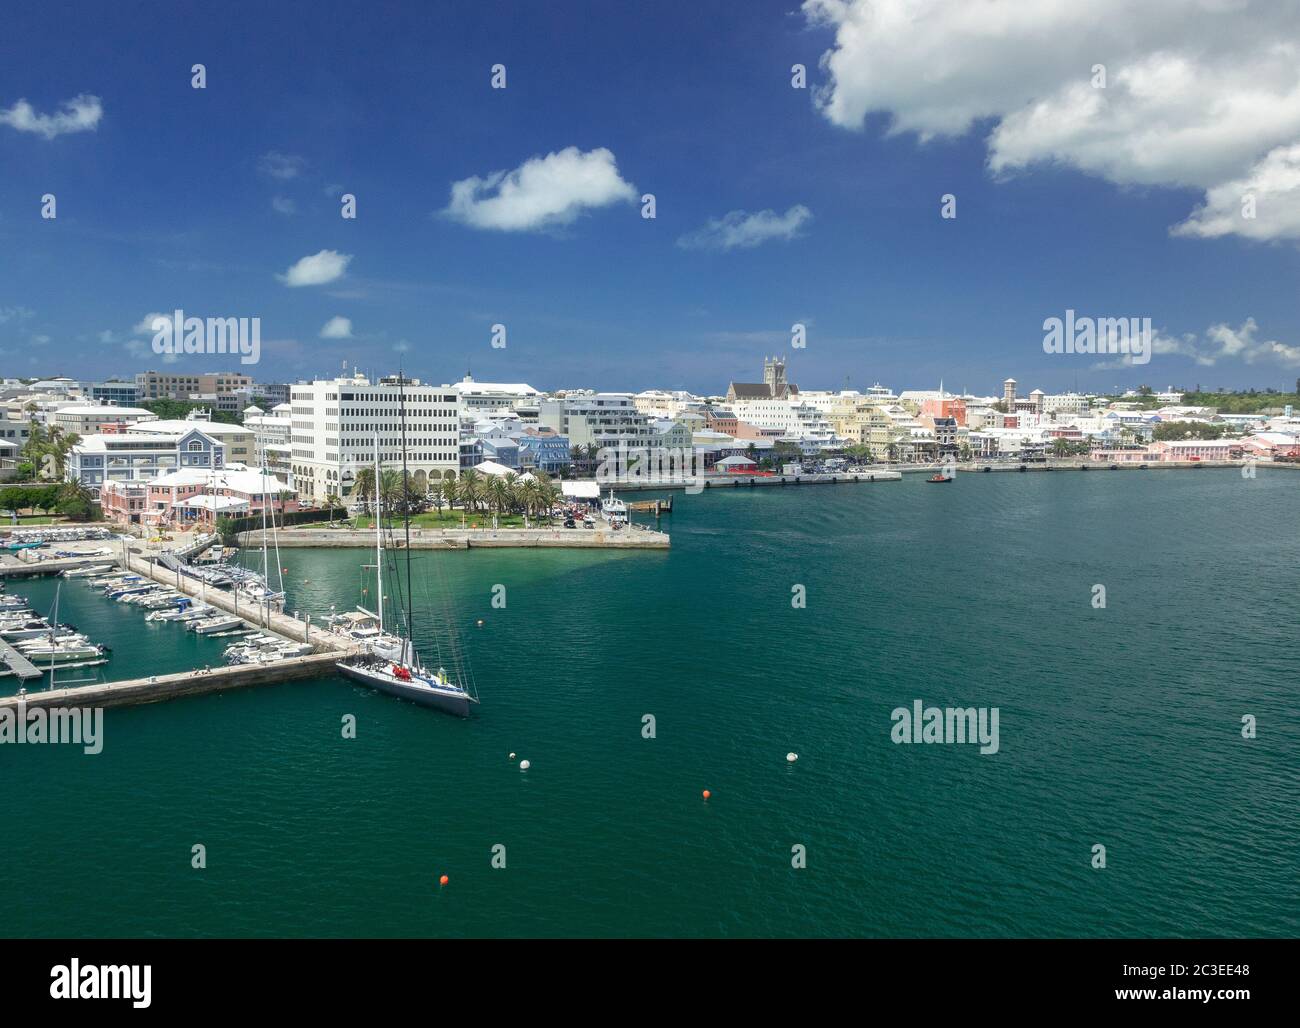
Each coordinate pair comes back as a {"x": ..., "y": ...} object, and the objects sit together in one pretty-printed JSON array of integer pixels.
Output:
[{"x": 1119, "y": 726}]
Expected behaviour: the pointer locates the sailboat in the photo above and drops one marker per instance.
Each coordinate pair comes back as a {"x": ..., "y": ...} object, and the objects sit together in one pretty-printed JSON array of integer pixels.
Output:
[{"x": 392, "y": 666}]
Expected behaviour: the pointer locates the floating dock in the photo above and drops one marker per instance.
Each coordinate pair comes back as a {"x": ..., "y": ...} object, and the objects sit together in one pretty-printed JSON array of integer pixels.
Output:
[{"x": 18, "y": 664}]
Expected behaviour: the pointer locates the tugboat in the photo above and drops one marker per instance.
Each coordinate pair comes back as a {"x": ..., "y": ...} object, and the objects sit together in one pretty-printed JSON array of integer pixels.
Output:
[{"x": 940, "y": 477}]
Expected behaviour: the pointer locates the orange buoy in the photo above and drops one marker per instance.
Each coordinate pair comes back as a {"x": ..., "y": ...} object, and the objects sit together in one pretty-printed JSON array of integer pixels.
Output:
[
  {"x": 707, "y": 794},
  {"x": 443, "y": 880}
]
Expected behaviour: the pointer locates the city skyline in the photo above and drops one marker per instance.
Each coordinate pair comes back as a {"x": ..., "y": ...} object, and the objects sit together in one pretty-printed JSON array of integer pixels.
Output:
[{"x": 522, "y": 206}]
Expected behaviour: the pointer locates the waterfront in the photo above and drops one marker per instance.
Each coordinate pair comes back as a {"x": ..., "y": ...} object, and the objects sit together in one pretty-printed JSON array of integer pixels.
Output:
[{"x": 1119, "y": 726}]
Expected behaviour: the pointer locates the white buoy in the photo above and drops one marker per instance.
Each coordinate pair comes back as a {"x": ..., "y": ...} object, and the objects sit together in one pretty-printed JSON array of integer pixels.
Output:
[
  {"x": 524, "y": 765},
  {"x": 512, "y": 756},
  {"x": 792, "y": 757}
]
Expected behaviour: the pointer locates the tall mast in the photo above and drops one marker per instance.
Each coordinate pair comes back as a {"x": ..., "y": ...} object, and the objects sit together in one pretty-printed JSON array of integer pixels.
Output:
[
  {"x": 379, "y": 541},
  {"x": 266, "y": 574},
  {"x": 406, "y": 509}
]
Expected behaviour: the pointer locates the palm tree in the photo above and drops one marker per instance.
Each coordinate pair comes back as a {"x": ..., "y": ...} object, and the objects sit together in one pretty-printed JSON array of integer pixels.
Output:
[
  {"x": 332, "y": 503},
  {"x": 527, "y": 495},
  {"x": 513, "y": 484},
  {"x": 436, "y": 493},
  {"x": 471, "y": 490},
  {"x": 548, "y": 495},
  {"x": 450, "y": 491},
  {"x": 499, "y": 492},
  {"x": 365, "y": 487},
  {"x": 390, "y": 488}
]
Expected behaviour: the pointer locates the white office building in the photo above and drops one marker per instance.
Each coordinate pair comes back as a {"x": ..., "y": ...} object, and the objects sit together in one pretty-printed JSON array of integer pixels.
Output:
[
  {"x": 475, "y": 398},
  {"x": 335, "y": 422},
  {"x": 598, "y": 419}
]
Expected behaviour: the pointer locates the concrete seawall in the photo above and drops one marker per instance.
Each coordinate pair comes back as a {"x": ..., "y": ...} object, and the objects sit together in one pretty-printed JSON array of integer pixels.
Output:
[{"x": 467, "y": 539}]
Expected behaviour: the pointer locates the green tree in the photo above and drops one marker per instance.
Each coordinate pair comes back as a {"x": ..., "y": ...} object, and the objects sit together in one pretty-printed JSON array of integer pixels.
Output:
[{"x": 75, "y": 502}]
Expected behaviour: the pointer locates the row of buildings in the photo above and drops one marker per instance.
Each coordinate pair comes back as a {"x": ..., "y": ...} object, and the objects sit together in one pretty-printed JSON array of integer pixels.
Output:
[{"x": 312, "y": 444}]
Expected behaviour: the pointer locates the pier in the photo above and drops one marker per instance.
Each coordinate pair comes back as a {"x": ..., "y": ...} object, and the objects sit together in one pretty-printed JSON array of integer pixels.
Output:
[{"x": 157, "y": 688}]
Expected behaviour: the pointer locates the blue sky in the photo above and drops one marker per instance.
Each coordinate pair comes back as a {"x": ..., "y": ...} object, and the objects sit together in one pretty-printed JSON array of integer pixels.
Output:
[{"x": 204, "y": 199}]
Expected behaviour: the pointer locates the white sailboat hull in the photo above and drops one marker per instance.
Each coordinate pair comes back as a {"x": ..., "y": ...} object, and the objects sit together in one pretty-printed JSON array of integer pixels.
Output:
[{"x": 448, "y": 699}]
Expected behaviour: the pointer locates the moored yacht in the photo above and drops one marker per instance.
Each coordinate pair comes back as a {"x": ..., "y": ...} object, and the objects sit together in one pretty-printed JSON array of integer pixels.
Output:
[{"x": 394, "y": 667}]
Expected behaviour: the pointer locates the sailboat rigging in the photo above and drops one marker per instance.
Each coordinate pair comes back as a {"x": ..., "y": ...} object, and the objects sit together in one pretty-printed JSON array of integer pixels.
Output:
[{"x": 402, "y": 674}]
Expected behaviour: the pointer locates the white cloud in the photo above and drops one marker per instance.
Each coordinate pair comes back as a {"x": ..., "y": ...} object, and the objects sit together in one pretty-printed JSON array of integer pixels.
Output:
[
  {"x": 541, "y": 193},
  {"x": 145, "y": 324},
  {"x": 281, "y": 166},
  {"x": 337, "y": 327},
  {"x": 1221, "y": 342},
  {"x": 1197, "y": 91},
  {"x": 1274, "y": 185},
  {"x": 80, "y": 114},
  {"x": 741, "y": 230},
  {"x": 283, "y": 205},
  {"x": 15, "y": 314},
  {"x": 318, "y": 269}
]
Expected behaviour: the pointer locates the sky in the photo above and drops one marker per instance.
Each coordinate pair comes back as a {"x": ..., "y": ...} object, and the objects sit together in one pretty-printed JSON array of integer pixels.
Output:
[{"x": 523, "y": 206}]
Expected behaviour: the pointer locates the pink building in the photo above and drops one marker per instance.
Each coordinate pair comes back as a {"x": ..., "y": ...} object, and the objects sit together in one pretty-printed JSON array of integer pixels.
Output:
[
  {"x": 124, "y": 502},
  {"x": 200, "y": 497}
]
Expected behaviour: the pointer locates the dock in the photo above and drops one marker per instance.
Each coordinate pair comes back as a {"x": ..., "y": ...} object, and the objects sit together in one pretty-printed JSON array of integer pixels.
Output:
[
  {"x": 158, "y": 688},
  {"x": 18, "y": 664}
]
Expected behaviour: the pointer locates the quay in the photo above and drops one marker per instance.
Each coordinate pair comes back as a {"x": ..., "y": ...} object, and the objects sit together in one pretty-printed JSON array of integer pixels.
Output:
[
  {"x": 1077, "y": 465},
  {"x": 634, "y": 538},
  {"x": 736, "y": 480}
]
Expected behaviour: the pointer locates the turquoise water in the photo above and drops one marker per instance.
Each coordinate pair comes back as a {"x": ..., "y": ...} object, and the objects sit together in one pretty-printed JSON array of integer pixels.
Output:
[{"x": 1118, "y": 726}]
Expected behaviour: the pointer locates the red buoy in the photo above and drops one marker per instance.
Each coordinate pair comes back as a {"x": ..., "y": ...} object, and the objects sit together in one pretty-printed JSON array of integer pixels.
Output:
[
  {"x": 707, "y": 794},
  {"x": 443, "y": 880}
]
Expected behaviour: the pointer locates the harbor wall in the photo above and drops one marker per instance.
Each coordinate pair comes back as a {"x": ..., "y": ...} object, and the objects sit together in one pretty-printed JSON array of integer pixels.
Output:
[{"x": 472, "y": 538}]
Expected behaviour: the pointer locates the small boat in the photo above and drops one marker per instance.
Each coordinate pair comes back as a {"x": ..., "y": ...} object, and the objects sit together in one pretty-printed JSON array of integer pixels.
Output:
[
  {"x": 211, "y": 625},
  {"x": 32, "y": 629},
  {"x": 940, "y": 477},
  {"x": 185, "y": 614},
  {"x": 88, "y": 572},
  {"x": 613, "y": 510},
  {"x": 59, "y": 652}
]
